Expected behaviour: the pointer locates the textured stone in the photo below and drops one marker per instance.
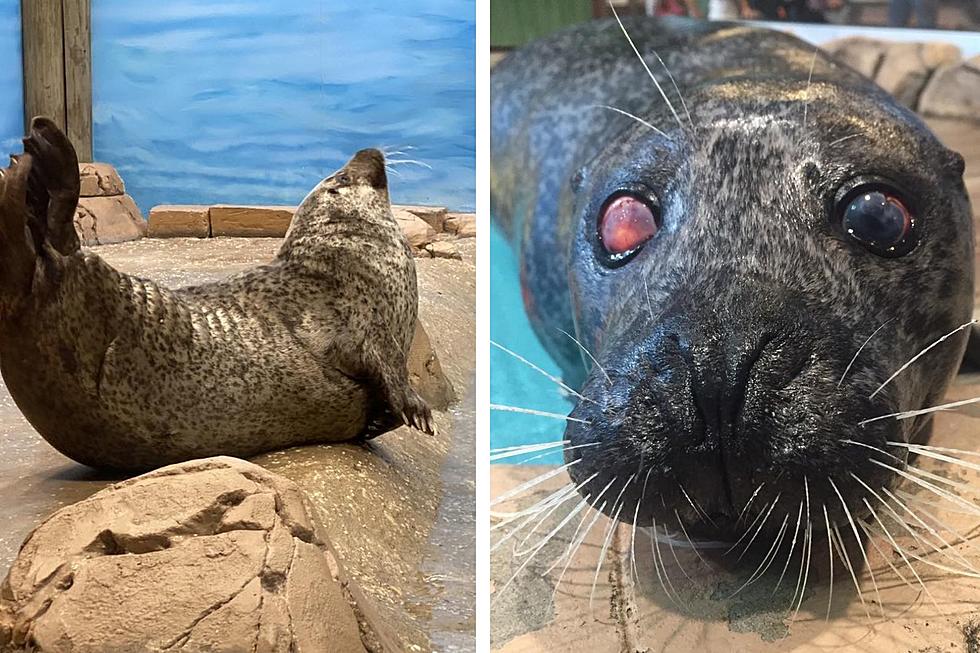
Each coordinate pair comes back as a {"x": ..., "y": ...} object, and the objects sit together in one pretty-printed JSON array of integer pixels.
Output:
[
  {"x": 906, "y": 68},
  {"x": 176, "y": 221},
  {"x": 444, "y": 249},
  {"x": 251, "y": 221},
  {"x": 105, "y": 220},
  {"x": 461, "y": 224},
  {"x": 435, "y": 216},
  {"x": 209, "y": 555},
  {"x": 100, "y": 180},
  {"x": 860, "y": 53},
  {"x": 425, "y": 372},
  {"x": 418, "y": 232},
  {"x": 954, "y": 91}
]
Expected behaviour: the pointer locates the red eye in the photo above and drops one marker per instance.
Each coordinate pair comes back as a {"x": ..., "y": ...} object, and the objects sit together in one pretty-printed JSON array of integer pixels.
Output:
[{"x": 626, "y": 223}]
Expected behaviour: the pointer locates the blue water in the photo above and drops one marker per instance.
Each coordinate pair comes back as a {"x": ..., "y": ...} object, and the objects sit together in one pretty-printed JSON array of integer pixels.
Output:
[
  {"x": 255, "y": 101},
  {"x": 513, "y": 383},
  {"x": 11, "y": 85}
]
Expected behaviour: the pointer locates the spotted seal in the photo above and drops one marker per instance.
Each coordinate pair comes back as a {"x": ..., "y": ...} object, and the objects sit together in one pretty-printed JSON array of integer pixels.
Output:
[
  {"x": 746, "y": 248},
  {"x": 116, "y": 371}
]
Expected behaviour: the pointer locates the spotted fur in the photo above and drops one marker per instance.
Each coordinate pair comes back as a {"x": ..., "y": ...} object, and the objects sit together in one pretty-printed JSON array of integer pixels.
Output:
[{"x": 117, "y": 371}]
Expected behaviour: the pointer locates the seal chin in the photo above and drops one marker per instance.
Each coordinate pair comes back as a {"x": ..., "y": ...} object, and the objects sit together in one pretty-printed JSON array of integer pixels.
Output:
[{"x": 711, "y": 429}]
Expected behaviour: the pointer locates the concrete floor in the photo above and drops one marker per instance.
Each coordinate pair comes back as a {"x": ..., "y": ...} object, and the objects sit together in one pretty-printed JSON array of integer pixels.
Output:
[{"x": 399, "y": 510}]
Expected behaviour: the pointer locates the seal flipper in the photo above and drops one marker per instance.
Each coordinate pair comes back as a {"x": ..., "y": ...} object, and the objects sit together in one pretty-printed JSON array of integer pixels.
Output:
[
  {"x": 53, "y": 186},
  {"x": 395, "y": 402},
  {"x": 17, "y": 249}
]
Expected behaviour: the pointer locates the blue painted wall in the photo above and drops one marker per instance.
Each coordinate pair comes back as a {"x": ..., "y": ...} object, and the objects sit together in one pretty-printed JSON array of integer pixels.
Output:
[
  {"x": 256, "y": 100},
  {"x": 11, "y": 84}
]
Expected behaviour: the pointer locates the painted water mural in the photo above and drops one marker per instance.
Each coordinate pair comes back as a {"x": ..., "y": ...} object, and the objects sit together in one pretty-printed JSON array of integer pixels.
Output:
[
  {"x": 252, "y": 101},
  {"x": 11, "y": 82}
]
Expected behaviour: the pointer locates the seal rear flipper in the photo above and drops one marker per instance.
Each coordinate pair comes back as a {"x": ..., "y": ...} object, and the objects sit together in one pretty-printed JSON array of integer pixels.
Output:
[
  {"x": 17, "y": 249},
  {"x": 53, "y": 187}
]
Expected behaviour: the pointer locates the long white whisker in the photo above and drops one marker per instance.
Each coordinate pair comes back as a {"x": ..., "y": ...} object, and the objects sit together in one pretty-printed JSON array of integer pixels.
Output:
[
  {"x": 540, "y": 371},
  {"x": 792, "y": 547},
  {"x": 645, "y": 66},
  {"x": 539, "y": 413},
  {"x": 865, "y": 343},
  {"x": 830, "y": 552},
  {"x": 587, "y": 353},
  {"x": 769, "y": 557},
  {"x": 758, "y": 530},
  {"x": 923, "y": 352},
  {"x": 922, "y": 411},
  {"x": 546, "y": 451},
  {"x": 628, "y": 115},
  {"x": 527, "y": 485},
  {"x": 900, "y": 552},
  {"x": 857, "y": 538}
]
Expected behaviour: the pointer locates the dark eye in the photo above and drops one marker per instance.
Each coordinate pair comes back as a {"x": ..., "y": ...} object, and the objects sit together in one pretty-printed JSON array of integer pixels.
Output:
[
  {"x": 626, "y": 222},
  {"x": 343, "y": 180},
  {"x": 879, "y": 219}
]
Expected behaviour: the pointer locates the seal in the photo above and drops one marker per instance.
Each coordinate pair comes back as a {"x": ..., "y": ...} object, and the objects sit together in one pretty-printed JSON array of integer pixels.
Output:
[
  {"x": 116, "y": 371},
  {"x": 748, "y": 241}
]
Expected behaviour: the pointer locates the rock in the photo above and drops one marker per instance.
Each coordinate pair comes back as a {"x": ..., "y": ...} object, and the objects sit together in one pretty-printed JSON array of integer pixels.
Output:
[
  {"x": 176, "y": 221},
  {"x": 418, "y": 232},
  {"x": 251, "y": 221},
  {"x": 100, "y": 180},
  {"x": 954, "y": 91},
  {"x": 425, "y": 372},
  {"x": 860, "y": 53},
  {"x": 906, "y": 68},
  {"x": 444, "y": 249},
  {"x": 105, "y": 220},
  {"x": 435, "y": 216},
  {"x": 462, "y": 224},
  {"x": 209, "y": 555}
]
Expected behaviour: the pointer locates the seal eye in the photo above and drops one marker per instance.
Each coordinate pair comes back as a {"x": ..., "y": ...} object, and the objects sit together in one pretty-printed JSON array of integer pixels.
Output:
[
  {"x": 876, "y": 217},
  {"x": 626, "y": 222}
]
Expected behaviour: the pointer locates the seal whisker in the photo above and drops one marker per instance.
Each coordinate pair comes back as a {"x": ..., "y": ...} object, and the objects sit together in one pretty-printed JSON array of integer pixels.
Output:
[
  {"x": 573, "y": 545},
  {"x": 415, "y": 162},
  {"x": 830, "y": 555},
  {"x": 767, "y": 561},
  {"x": 523, "y": 487},
  {"x": 806, "y": 92},
  {"x": 537, "y": 369},
  {"x": 936, "y": 455},
  {"x": 658, "y": 554},
  {"x": 884, "y": 556},
  {"x": 948, "y": 549},
  {"x": 863, "y": 345},
  {"x": 759, "y": 529},
  {"x": 546, "y": 451},
  {"x": 841, "y": 140},
  {"x": 804, "y": 566},
  {"x": 677, "y": 90},
  {"x": 535, "y": 509},
  {"x": 857, "y": 538},
  {"x": 645, "y": 66},
  {"x": 605, "y": 545},
  {"x": 947, "y": 528},
  {"x": 629, "y": 115},
  {"x": 872, "y": 447},
  {"x": 748, "y": 529},
  {"x": 923, "y": 353},
  {"x": 792, "y": 548},
  {"x": 589, "y": 354},
  {"x": 636, "y": 514},
  {"x": 539, "y": 413},
  {"x": 749, "y": 502},
  {"x": 923, "y": 501},
  {"x": 694, "y": 548},
  {"x": 929, "y": 447},
  {"x": 922, "y": 411},
  {"x": 697, "y": 508},
  {"x": 841, "y": 549},
  {"x": 518, "y": 550},
  {"x": 901, "y": 552},
  {"x": 929, "y": 486},
  {"x": 528, "y": 448},
  {"x": 570, "y": 553}
]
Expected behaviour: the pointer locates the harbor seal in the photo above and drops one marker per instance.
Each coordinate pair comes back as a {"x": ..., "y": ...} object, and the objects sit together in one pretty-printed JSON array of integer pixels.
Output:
[
  {"x": 730, "y": 262},
  {"x": 115, "y": 371}
]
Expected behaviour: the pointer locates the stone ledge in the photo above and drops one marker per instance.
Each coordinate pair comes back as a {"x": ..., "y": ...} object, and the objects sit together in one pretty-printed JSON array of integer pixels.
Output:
[{"x": 422, "y": 225}]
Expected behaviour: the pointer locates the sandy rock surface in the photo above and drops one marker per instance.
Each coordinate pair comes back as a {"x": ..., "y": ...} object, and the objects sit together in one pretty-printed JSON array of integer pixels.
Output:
[{"x": 210, "y": 555}]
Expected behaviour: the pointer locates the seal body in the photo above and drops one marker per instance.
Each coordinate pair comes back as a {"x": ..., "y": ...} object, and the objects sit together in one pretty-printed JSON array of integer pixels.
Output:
[
  {"x": 726, "y": 344},
  {"x": 116, "y": 371}
]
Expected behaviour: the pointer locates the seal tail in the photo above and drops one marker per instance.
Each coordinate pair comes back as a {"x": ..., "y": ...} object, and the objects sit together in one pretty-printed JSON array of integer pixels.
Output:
[{"x": 38, "y": 195}]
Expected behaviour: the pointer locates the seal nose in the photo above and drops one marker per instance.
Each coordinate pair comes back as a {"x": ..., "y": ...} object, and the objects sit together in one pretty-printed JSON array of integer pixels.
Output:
[{"x": 369, "y": 165}]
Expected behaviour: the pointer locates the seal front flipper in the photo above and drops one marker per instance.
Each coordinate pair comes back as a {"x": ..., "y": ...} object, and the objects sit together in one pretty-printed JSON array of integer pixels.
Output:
[
  {"x": 53, "y": 186},
  {"x": 395, "y": 402}
]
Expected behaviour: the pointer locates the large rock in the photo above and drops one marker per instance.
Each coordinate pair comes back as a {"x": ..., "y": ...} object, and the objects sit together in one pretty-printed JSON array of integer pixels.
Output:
[
  {"x": 425, "y": 372},
  {"x": 100, "y": 180},
  {"x": 434, "y": 216},
  {"x": 106, "y": 220},
  {"x": 954, "y": 91},
  {"x": 418, "y": 232},
  {"x": 179, "y": 221},
  {"x": 251, "y": 221},
  {"x": 210, "y": 555},
  {"x": 860, "y": 53},
  {"x": 461, "y": 224},
  {"x": 906, "y": 68}
]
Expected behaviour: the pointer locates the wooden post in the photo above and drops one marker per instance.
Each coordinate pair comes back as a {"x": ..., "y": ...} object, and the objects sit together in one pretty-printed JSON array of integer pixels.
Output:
[{"x": 58, "y": 67}]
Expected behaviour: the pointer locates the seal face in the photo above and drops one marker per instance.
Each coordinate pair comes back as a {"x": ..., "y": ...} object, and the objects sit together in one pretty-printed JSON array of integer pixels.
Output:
[
  {"x": 115, "y": 371},
  {"x": 724, "y": 249}
]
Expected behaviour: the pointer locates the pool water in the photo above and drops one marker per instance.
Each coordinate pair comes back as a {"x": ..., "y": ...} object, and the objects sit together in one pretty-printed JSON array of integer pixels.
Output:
[{"x": 512, "y": 383}]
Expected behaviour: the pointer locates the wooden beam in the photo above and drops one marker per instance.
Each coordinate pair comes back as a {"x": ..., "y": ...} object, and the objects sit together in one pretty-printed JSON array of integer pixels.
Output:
[
  {"x": 57, "y": 59},
  {"x": 78, "y": 75},
  {"x": 44, "y": 60}
]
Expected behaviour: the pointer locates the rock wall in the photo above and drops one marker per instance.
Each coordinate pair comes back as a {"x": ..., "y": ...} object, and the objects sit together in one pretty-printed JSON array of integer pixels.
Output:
[
  {"x": 930, "y": 78},
  {"x": 105, "y": 213}
]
